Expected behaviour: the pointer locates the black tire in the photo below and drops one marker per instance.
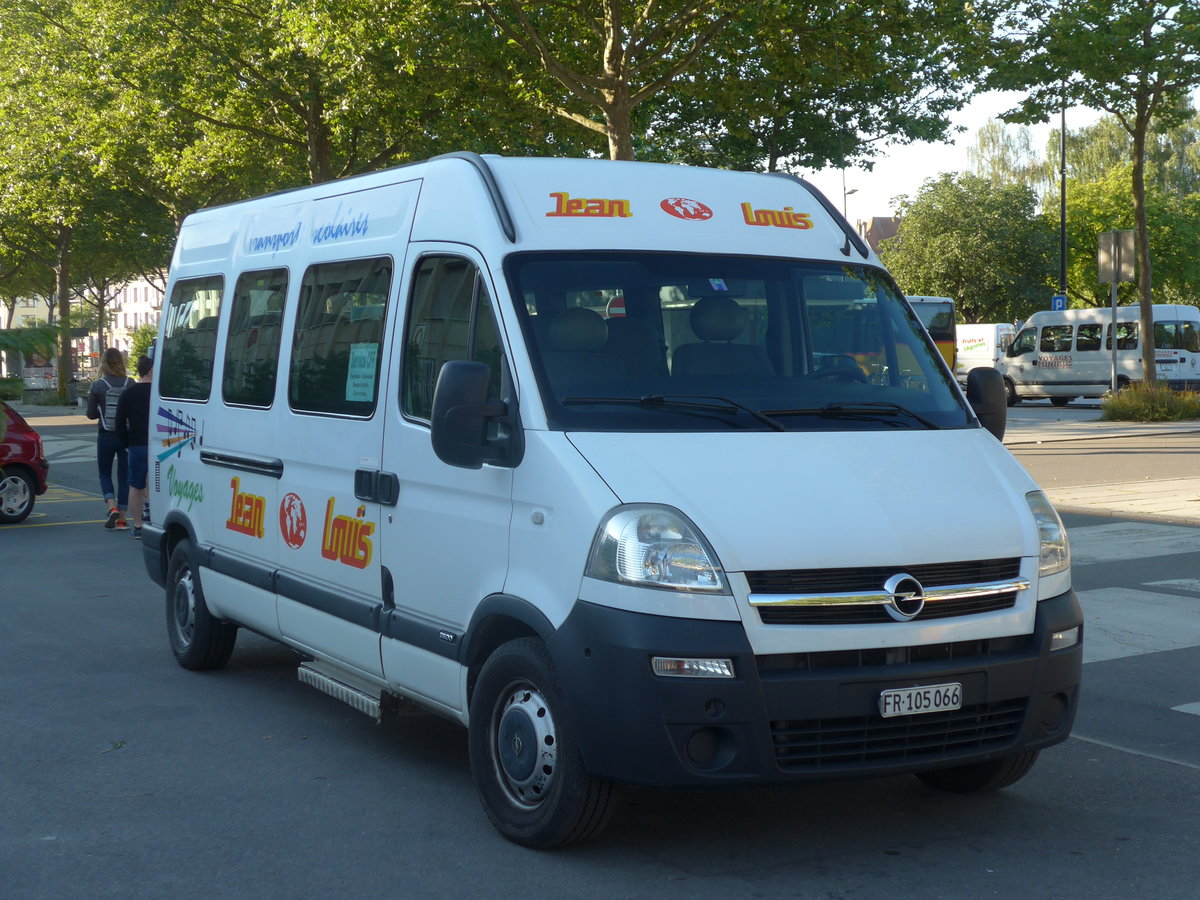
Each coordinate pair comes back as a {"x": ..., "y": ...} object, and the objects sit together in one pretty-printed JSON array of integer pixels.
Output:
[
  {"x": 1010, "y": 393},
  {"x": 524, "y": 758},
  {"x": 981, "y": 777},
  {"x": 18, "y": 491},
  {"x": 198, "y": 640},
  {"x": 1060, "y": 401}
]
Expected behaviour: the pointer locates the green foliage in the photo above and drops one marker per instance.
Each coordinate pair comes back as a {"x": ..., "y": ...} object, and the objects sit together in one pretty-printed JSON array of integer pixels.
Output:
[
  {"x": 11, "y": 387},
  {"x": 1173, "y": 227},
  {"x": 982, "y": 244},
  {"x": 1150, "y": 403},
  {"x": 140, "y": 341},
  {"x": 809, "y": 84},
  {"x": 40, "y": 340}
]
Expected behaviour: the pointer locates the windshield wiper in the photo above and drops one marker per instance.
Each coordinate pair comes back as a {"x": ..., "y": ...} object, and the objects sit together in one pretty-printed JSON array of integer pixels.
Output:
[
  {"x": 684, "y": 401},
  {"x": 862, "y": 409}
]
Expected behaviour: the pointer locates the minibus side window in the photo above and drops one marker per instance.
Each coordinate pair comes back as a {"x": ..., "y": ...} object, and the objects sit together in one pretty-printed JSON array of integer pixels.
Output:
[
  {"x": 1127, "y": 336},
  {"x": 450, "y": 318},
  {"x": 1024, "y": 342},
  {"x": 1189, "y": 337},
  {"x": 1088, "y": 337},
  {"x": 252, "y": 346},
  {"x": 190, "y": 338},
  {"x": 1166, "y": 336},
  {"x": 1056, "y": 339},
  {"x": 339, "y": 332}
]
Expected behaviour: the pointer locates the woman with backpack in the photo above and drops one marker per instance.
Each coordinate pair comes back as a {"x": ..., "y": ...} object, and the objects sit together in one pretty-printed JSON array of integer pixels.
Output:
[{"x": 102, "y": 404}]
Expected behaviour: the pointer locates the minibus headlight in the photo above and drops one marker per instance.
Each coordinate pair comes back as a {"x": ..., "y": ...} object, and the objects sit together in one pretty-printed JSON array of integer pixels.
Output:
[
  {"x": 654, "y": 546},
  {"x": 1054, "y": 553}
]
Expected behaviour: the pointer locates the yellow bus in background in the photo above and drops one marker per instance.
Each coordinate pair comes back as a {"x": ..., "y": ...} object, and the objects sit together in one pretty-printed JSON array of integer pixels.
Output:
[{"x": 937, "y": 315}]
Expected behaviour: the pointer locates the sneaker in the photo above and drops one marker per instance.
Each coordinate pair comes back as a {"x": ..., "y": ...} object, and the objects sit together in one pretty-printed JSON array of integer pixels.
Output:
[
  {"x": 122, "y": 525},
  {"x": 136, "y": 533},
  {"x": 113, "y": 516}
]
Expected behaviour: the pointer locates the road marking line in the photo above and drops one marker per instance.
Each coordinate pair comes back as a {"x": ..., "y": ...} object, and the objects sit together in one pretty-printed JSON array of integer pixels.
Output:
[
  {"x": 27, "y": 524},
  {"x": 1134, "y": 540},
  {"x": 1192, "y": 709},
  {"x": 1132, "y": 752}
]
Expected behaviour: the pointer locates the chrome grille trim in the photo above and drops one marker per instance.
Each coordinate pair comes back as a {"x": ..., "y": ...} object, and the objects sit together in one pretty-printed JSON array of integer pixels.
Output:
[{"x": 880, "y": 598}]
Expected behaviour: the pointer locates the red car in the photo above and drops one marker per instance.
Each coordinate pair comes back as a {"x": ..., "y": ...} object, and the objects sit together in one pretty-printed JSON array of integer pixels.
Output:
[{"x": 23, "y": 468}]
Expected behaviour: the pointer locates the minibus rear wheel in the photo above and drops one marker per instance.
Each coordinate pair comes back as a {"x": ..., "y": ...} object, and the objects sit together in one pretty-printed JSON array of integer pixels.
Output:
[
  {"x": 198, "y": 639},
  {"x": 527, "y": 767},
  {"x": 979, "y": 777}
]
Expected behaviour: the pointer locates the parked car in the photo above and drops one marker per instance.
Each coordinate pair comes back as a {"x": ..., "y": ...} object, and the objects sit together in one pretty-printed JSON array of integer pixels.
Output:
[{"x": 23, "y": 468}]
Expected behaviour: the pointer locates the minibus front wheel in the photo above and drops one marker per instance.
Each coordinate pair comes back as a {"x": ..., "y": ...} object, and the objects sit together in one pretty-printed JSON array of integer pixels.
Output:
[
  {"x": 198, "y": 639},
  {"x": 1010, "y": 391},
  {"x": 526, "y": 763}
]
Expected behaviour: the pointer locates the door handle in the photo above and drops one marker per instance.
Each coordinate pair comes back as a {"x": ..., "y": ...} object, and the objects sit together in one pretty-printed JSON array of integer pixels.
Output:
[{"x": 374, "y": 486}]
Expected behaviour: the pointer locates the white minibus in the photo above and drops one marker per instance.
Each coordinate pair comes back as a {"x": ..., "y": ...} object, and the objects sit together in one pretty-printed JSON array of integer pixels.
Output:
[
  {"x": 1067, "y": 354},
  {"x": 644, "y": 474}
]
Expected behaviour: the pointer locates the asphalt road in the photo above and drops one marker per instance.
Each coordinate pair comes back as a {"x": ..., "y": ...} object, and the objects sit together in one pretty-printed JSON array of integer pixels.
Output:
[{"x": 122, "y": 775}]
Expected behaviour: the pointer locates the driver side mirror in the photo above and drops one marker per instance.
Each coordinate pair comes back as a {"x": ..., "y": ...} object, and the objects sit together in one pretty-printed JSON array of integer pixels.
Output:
[
  {"x": 986, "y": 394},
  {"x": 461, "y": 414}
]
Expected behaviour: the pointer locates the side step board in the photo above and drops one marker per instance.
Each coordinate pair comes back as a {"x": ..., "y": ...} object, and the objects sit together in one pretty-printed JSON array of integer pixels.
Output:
[{"x": 361, "y": 697}]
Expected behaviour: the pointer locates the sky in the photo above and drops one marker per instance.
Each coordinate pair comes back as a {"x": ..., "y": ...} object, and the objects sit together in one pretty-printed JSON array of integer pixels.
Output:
[{"x": 903, "y": 169}]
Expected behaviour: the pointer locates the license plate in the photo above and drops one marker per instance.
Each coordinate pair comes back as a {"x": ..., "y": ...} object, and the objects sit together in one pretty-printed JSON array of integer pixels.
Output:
[{"x": 915, "y": 701}]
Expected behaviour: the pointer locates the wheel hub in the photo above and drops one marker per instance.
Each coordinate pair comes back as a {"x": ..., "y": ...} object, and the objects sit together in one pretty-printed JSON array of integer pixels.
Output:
[{"x": 526, "y": 746}]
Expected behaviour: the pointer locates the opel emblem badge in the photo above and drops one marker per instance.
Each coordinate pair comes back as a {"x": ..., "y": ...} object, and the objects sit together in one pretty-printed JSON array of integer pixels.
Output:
[{"x": 906, "y": 597}]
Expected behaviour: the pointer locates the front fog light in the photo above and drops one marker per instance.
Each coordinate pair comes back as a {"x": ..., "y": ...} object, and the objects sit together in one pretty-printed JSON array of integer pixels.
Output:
[
  {"x": 653, "y": 546},
  {"x": 1061, "y": 640},
  {"x": 675, "y": 667}
]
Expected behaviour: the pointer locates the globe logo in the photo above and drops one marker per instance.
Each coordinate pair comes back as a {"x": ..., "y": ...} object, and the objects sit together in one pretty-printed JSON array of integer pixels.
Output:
[
  {"x": 293, "y": 523},
  {"x": 682, "y": 208}
]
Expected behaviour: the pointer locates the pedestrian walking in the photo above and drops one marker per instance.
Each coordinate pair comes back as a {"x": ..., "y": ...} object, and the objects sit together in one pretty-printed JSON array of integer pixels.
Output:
[
  {"x": 133, "y": 427},
  {"x": 102, "y": 404}
]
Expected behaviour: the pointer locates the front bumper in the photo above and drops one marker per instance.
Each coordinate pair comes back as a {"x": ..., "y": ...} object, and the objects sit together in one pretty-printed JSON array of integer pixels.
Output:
[{"x": 808, "y": 716}]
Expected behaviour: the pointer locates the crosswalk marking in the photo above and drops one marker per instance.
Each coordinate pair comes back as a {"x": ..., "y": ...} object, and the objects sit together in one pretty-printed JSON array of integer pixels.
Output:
[
  {"x": 1120, "y": 622},
  {"x": 1130, "y": 540}
]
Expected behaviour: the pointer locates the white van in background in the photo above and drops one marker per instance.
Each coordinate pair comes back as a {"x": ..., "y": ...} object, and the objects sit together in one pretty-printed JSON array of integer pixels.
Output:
[
  {"x": 644, "y": 474},
  {"x": 1067, "y": 354},
  {"x": 981, "y": 345}
]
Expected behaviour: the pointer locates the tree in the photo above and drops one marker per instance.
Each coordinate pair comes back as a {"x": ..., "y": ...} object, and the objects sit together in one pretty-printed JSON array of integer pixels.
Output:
[
  {"x": 982, "y": 244},
  {"x": 1173, "y": 225},
  {"x": 1135, "y": 59},
  {"x": 745, "y": 84},
  {"x": 1005, "y": 155},
  {"x": 805, "y": 85}
]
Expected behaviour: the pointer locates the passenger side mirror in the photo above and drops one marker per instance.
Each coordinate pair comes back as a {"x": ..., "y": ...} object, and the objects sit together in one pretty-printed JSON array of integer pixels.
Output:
[
  {"x": 985, "y": 393},
  {"x": 460, "y": 417}
]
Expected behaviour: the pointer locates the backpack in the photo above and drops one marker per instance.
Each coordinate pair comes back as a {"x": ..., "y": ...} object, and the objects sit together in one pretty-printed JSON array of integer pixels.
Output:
[{"x": 108, "y": 415}]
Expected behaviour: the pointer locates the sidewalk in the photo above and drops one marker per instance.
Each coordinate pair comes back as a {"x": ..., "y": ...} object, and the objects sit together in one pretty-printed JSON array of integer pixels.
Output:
[{"x": 1175, "y": 500}]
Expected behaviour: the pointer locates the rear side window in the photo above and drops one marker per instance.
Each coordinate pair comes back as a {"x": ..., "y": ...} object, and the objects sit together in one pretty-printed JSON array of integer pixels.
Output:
[
  {"x": 252, "y": 348},
  {"x": 339, "y": 335},
  {"x": 190, "y": 338},
  {"x": 450, "y": 318},
  {"x": 1056, "y": 339},
  {"x": 1088, "y": 337}
]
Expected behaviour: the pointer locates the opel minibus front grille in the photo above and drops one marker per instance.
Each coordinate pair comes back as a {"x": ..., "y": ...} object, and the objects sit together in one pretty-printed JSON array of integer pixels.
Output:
[
  {"x": 866, "y": 741},
  {"x": 852, "y": 596}
]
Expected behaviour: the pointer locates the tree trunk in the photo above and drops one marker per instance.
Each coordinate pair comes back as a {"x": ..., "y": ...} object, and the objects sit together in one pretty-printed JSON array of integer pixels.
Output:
[
  {"x": 1142, "y": 238},
  {"x": 62, "y": 291},
  {"x": 320, "y": 145},
  {"x": 618, "y": 118}
]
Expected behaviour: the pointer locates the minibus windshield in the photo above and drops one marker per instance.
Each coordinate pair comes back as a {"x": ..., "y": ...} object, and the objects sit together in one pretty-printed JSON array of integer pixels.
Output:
[{"x": 625, "y": 341}]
